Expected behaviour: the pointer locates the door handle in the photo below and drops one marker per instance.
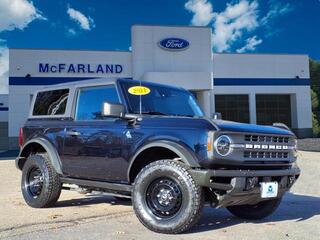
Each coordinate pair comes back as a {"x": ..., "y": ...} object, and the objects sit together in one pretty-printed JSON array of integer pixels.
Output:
[{"x": 73, "y": 133}]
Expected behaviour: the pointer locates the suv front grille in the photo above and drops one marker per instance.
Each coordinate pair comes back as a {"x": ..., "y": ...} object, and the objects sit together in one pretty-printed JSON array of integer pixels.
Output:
[
  {"x": 266, "y": 139},
  {"x": 265, "y": 150},
  {"x": 265, "y": 155}
]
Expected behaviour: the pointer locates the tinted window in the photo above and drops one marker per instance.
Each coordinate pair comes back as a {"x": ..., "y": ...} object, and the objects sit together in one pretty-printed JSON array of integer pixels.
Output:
[
  {"x": 90, "y": 100},
  {"x": 162, "y": 100},
  {"x": 273, "y": 108},
  {"x": 51, "y": 102},
  {"x": 233, "y": 107}
]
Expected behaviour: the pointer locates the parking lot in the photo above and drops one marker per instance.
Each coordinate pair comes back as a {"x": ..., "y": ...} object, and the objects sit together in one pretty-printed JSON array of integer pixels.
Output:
[{"x": 95, "y": 216}]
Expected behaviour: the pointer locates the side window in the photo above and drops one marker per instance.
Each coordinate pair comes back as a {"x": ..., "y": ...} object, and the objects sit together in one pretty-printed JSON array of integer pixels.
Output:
[
  {"x": 90, "y": 100},
  {"x": 51, "y": 102}
]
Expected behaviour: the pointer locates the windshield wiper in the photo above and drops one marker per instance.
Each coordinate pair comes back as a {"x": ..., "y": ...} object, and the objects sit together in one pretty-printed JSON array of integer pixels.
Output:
[
  {"x": 164, "y": 114},
  {"x": 184, "y": 115},
  {"x": 153, "y": 113}
]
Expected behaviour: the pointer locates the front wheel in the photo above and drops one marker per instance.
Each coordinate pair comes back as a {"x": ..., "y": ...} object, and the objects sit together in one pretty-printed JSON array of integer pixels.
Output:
[
  {"x": 165, "y": 197},
  {"x": 257, "y": 211}
]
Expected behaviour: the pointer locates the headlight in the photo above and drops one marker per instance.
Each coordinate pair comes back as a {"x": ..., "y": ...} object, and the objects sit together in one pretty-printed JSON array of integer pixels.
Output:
[{"x": 223, "y": 145}]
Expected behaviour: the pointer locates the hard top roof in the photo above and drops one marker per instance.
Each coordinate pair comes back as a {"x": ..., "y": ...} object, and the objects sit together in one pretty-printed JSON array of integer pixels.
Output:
[{"x": 100, "y": 82}]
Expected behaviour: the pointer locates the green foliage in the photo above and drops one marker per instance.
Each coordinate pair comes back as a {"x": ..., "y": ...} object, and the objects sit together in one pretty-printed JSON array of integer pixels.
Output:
[
  {"x": 314, "y": 100},
  {"x": 315, "y": 75},
  {"x": 315, "y": 125},
  {"x": 315, "y": 95}
]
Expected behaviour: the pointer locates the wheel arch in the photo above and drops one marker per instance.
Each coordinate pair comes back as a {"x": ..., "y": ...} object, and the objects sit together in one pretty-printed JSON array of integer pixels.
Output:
[
  {"x": 39, "y": 145},
  {"x": 173, "y": 149}
]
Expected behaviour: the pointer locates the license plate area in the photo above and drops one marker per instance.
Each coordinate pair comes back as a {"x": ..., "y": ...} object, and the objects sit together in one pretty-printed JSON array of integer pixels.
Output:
[{"x": 269, "y": 189}]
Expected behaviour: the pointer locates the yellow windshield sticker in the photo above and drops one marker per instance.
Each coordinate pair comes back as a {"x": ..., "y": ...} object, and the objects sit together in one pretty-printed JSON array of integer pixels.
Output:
[{"x": 139, "y": 90}]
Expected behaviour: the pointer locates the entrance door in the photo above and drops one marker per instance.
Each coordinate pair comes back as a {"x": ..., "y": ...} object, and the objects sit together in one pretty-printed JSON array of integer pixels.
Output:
[{"x": 273, "y": 108}]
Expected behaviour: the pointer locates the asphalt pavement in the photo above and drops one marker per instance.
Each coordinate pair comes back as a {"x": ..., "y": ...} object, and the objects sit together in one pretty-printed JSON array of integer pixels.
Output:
[{"x": 95, "y": 216}]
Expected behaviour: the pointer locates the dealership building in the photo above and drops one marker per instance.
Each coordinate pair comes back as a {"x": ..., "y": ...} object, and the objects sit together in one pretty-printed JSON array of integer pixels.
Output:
[{"x": 251, "y": 88}]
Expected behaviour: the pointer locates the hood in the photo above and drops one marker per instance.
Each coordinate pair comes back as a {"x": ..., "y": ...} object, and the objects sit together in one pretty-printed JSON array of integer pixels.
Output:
[{"x": 250, "y": 128}]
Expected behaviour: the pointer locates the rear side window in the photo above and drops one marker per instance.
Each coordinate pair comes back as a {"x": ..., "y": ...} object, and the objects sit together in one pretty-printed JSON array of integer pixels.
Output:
[
  {"x": 90, "y": 100},
  {"x": 51, "y": 103}
]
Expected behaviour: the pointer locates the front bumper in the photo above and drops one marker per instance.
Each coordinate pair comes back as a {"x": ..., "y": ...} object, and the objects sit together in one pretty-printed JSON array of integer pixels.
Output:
[{"x": 233, "y": 187}]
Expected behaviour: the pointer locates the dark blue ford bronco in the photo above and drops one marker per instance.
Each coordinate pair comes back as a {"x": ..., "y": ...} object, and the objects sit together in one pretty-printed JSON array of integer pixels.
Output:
[{"x": 152, "y": 143}]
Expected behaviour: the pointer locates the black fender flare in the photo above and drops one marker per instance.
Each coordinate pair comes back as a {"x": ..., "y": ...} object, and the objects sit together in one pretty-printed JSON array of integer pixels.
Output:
[
  {"x": 186, "y": 156},
  {"x": 50, "y": 149}
]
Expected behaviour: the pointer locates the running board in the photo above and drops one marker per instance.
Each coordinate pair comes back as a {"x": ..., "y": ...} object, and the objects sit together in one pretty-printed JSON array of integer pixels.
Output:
[{"x": 114, "y": 187}]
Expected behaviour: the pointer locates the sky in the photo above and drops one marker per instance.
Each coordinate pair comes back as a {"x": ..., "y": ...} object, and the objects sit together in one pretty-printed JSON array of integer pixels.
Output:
[{"x": 242, "y": 26}]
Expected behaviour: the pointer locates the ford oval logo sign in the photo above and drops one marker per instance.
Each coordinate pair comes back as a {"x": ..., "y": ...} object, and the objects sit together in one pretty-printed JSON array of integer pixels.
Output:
[{"x": 174, "y": 44}]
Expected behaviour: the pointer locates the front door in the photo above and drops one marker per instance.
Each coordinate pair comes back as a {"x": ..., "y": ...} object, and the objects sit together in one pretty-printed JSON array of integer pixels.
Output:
[{"x": 93, "y": 145}]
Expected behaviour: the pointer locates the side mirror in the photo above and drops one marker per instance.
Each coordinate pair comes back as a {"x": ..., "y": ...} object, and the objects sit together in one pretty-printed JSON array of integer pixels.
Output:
[
  {"x": 217, "y": 116},
  {"x": 112, "y": 110}
]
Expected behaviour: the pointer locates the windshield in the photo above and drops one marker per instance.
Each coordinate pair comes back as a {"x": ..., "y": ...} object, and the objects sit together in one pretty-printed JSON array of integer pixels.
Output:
[{"x": 161, "y": 101}]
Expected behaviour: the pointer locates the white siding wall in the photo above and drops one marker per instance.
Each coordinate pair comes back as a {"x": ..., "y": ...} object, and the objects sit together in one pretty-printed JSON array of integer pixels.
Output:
[
  {"x": 20, "y": 99},
  {"x": 260, "y": 66},
  {"x": 190, "y": 68},
  {"x": 26, "y": 61}
]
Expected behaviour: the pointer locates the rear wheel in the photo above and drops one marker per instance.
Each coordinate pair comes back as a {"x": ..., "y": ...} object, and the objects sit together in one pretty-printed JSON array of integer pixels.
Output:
[
  {"x": 165, "y": 197},
  {"x": 40, "y": 184},
  {"x": 257, "y": 211}
]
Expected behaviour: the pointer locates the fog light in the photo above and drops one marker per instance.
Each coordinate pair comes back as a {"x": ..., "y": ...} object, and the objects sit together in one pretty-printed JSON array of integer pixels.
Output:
[{"x": 251, "y": 182}]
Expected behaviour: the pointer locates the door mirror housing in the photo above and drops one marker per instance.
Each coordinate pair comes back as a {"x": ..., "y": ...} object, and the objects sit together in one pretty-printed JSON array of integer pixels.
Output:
[
  {"x": 217, "y": 116},
  {"x": 112, "y": 110}
]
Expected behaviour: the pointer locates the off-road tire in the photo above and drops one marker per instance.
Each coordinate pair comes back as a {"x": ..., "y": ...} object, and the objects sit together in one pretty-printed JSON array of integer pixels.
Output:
[
  {"x": 191, "y": 201},
  {"x": 51, "y": 187},
  {"x": 257, "y": 211}
]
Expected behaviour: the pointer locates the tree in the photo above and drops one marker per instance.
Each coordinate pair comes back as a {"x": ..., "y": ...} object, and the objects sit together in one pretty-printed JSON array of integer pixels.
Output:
[
  {"x": 315, "y": 75},
  {"x": 315, "y": 95},
  {"x": 315, "y": 125},
  {"x": 314, "y": 100}
]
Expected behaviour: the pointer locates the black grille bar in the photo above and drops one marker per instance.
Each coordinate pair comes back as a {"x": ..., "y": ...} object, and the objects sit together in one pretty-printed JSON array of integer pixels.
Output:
[
  {"x": 265, "y": 155},
  {"x": 266, "y": 139}
]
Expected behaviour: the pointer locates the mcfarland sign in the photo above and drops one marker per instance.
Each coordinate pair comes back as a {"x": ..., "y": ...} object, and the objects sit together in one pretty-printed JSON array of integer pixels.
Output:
[{"x": 80, "y": 68}]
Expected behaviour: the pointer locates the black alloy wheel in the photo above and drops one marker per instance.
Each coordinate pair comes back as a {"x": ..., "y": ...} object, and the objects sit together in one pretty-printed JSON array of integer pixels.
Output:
[
  {"x": 164, "y": 197},
  {"x": 34, "y": 182}
]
